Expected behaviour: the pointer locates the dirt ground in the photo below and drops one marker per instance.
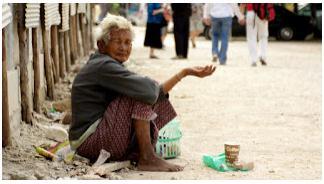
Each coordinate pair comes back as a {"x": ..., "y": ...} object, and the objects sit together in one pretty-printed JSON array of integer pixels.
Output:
[{"x": 273, "y": 112}]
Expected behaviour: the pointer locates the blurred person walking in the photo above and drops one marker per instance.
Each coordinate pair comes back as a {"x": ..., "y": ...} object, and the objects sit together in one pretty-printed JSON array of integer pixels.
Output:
[
  {"x": 258, "y": 16},
  {"x": 181, "y": 13},
  {"x": 104, "y": 7},
  {"x": 153, "y": 28},
  {"x": 196, "y": 25},
  {"x": 220, "y": 16},
  {"x": 165, "y": 22},
  {"x": 123, "y": 9}
]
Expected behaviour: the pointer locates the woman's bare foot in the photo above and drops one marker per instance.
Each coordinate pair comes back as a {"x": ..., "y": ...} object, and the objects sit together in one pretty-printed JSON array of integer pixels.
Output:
[
  {"x": 148, "y": 160},
  {"x": 157, "y": 164}
]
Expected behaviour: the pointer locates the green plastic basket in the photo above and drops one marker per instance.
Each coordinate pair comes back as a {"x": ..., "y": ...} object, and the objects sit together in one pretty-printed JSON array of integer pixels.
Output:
[{"x": 168, "y": 143}]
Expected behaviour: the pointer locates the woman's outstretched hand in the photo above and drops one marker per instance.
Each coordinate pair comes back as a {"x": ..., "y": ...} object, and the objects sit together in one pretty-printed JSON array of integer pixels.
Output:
[{"x": 200, "y": 71}]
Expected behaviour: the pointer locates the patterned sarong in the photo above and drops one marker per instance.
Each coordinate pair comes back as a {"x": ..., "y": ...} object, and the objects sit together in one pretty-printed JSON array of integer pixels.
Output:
[{"x": 115, "y": 133}]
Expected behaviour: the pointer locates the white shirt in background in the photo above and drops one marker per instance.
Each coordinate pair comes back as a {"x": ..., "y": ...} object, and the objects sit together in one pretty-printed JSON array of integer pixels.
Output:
[{"x": 221, "y": 10}]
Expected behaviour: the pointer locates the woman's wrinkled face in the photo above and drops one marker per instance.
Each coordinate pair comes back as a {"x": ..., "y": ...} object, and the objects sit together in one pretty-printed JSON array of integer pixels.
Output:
[{"x": 119, "y": 45}]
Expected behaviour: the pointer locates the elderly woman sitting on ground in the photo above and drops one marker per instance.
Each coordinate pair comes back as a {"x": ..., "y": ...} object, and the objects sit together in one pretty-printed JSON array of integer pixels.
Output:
[{"x": 118, "y": 110}]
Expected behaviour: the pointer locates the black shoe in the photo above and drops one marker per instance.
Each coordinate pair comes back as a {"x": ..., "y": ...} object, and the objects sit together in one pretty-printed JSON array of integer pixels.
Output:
[
  {"x": 214, "y": 58},
  {"x": 153, "y": 57},
  {"x": 178, "y": 57},
  {"x": 263, "y": 62}
]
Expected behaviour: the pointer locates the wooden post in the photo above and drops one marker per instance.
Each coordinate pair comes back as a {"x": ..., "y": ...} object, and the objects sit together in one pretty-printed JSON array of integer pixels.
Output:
[
  {"x": 62, "y": 55},
  {"x": 86, "y": 33},
  {"x": 5, "y": 105},
  {"x": 70, "y": 40},
  {"x": 55, "y": 53},
  {"x": 67, "y": 50},
  {"x": 26, "y": 110},
  {"x": 73, "y": 46},
  {"x": 79, "y": 35},
  {"x": 90, "y": 26},
  {"x": 37, "y": 84},
  {"x": 87, "y": 36},
  {"x": 75, "y": 34},
  {"x": 48, "y": 65},
  {"x": 83, "y": 30},
  {"x": 74, "y": 49},
  {"x": 47, "y": 56}
]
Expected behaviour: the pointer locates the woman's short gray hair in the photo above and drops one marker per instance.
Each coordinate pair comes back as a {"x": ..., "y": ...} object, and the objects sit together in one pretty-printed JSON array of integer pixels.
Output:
[{"x": 111, "y": 22}]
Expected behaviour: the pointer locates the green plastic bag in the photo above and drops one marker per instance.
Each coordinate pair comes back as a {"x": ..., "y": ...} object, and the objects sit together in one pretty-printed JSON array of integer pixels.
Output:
[{"x": 217, "y": 162}]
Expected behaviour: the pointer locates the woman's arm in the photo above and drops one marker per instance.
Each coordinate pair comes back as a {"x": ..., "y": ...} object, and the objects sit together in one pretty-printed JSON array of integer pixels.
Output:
[
  {"x": 238, "y": 13},
  {"x": 206, "y": 14},
  {"x": 157, "y": 11},
  {"x": 154, "y": 9},
  {"x": 197, "y": 71}
]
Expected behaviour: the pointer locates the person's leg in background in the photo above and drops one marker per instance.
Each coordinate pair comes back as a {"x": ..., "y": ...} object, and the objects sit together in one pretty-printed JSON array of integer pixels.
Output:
[
  {"x": 177, "y": 34},
  {"x": 152, "y": 55},
  {"x": 263, "y": 35},
  {"x": 196, "y": 28},
  {"x": 251, "y": 36},
  {"x": 216, "y": 29},
  {"x": 164, "y": 33},
  {"x": 181, "y": 36},
  {"x": 185, "y": 37},
  {"x": 193, "y": 32},
  {"x": 225, "y": 30}
]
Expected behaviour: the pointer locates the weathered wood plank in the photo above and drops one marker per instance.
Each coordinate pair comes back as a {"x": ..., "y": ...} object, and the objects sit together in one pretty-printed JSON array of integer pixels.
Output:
[
  {"x": 79, "y": 36},
  {"x": 26, "y": 109},
  {"x": 73, "y": 41},
  {"x": 62, "y": 62},
  {"x": 90, "y": 26},
  {"x": 67, "y": 51},
  {"x": 47, "y": 58},
  {"x": 5, "y": 105},
  {"x": 55, "y": 53},
  {"x": 37, "y": 82},
  {"x": 48, "y": 66},
  {"x": 83, "y": 30}
]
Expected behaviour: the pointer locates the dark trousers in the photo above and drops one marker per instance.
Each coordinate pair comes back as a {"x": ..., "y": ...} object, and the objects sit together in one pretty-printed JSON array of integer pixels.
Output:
[{"x": 181, "y": 35}]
